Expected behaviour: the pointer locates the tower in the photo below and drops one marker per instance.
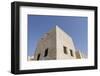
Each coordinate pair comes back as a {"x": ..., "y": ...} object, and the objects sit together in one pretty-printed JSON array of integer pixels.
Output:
[{"x": 56, "y": 44}]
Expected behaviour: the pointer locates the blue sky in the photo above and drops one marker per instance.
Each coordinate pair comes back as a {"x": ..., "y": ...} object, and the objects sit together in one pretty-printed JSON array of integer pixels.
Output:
[{"x": 75, "y": 26}]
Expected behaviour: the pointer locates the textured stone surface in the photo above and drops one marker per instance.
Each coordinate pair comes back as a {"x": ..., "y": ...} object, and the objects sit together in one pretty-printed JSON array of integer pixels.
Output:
[{"x": 55, "y": 41}]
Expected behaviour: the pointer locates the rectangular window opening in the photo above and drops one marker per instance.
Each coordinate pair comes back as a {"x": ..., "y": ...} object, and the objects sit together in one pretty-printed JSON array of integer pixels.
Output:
[
  {"x": 71, "y": 52},
  {"x": 46, "y": 52},
  {"x": 65, "y": 50}
]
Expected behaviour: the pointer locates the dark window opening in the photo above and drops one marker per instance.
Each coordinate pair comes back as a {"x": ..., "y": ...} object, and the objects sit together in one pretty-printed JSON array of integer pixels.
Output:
[
  {"x": 65, "y": 50},
  {"x": 71, "y": 52},
  {"x": 38, "y": 57},
  {"x": 46, "y": 52}
]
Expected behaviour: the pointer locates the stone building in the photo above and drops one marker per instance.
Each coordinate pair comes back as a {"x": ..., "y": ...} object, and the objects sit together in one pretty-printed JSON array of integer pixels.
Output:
[{"x": 56, "y": 44}]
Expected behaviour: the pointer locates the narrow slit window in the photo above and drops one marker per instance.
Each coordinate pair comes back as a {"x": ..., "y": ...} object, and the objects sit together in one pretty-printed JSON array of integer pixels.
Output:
[
  {"x": 46, "y": 52},
  {"x": 71, "y": 52},
  {"x": 38, "y": 57},
  {"x": 65, "y": 50}
]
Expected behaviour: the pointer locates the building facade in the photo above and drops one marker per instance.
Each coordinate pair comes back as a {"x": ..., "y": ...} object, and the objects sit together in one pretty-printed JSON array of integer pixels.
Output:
[{"x": 56, "y": 44}]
